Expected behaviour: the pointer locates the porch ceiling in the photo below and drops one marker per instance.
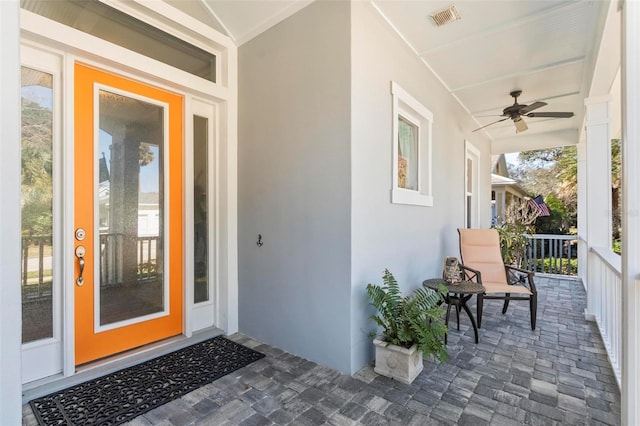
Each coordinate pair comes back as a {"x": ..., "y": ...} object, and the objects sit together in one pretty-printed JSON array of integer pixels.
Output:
[{"x": 547, "y": 49}]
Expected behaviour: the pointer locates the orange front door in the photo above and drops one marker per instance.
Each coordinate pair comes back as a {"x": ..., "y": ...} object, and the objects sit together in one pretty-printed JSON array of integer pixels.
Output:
[{"x": 128, "y": 154}]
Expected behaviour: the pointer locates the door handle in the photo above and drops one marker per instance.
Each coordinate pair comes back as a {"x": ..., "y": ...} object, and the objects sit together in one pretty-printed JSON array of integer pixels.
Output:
[{"x": 80, "y": 252}]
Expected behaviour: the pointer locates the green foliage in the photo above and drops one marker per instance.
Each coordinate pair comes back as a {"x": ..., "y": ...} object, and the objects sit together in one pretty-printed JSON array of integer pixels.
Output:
[
  {"x": 408, "y": 320},
  {"x": 37, "y": 163},
  {"x": 518, "y": 221},
  {"x": 512, "y": 243},
  {"x": 145, "y": 268},
  {"x": 555, "y": 265},
  {"x": 554, "y": 174},
  {"x": 558, "y": 222},
  {"x": 616, "y": 196},
  {"x": 616, "y": 246},
  {"x": 37, "y": 217}
]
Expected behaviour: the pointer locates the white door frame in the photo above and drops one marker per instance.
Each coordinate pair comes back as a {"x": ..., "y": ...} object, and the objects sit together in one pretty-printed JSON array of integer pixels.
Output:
[
  {"x": 73, "y": 46},
  {"x": 45, "y": 355}
]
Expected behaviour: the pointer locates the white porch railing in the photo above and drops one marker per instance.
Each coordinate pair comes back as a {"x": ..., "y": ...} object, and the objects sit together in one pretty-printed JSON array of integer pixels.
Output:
[
  {"x": 605, "y": 284},
  {"x": 551, "y": 254}
]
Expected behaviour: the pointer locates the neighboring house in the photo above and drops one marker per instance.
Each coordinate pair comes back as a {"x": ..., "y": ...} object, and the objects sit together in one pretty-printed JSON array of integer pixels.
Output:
[
  {"x": 504, "y": 189},
  {"x": 148, "y": 212},
  {"x": 324, "y": 137}
]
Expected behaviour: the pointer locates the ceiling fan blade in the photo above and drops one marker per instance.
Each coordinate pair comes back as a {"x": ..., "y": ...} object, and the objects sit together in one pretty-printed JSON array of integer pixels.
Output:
[
  {"x": 487, "y": 125},
  {"x": 551, "y": 114},
  {"x": 531, "y": 107},
  {"x": 521, "y": 126}
]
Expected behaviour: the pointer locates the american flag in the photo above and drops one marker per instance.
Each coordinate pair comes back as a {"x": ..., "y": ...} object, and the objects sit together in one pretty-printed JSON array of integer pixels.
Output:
[{"x": 539, "y": 206}]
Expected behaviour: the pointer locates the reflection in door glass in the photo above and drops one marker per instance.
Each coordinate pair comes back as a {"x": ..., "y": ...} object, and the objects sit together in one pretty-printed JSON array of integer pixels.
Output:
[
  {"x": 37, "y": 205},
  {"x": 130, "y": 198},
  {"x": 200, "y": 210}
]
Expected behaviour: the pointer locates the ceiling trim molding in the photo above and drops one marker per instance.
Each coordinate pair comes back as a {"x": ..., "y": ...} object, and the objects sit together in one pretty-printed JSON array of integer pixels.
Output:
[
  {"x": 214, "y": 16},
  {"x": 270, "y": 21}
]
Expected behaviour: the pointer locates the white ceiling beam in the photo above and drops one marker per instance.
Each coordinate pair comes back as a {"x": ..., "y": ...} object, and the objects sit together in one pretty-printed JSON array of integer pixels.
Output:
[
  {"x": 491, "y": 112},
  {"x": 531, "y": 141},
  {"x": 608, "y": 59},
  {"x": 529, "y": 71},
  {"x": 499, "y": 28}
]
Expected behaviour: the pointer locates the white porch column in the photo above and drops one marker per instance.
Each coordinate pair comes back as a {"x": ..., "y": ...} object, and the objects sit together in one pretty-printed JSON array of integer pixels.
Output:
[
  {"x": 10, "y": 303},
  {"x": 501, "y": 203},
  {"x": 630, "y": 213},
  {"x": 583, "y": 251},
  {"x": 596, "y": 215}
]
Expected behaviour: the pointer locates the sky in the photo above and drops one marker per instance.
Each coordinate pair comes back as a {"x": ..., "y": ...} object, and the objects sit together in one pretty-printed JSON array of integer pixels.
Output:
[
  {"x": 512, "y": 158},
  {"x": 148, "y": 174},
  {"x": 149, "y": 181}
]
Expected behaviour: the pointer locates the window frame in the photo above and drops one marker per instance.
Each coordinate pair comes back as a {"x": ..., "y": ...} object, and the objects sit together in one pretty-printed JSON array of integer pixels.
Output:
[
  {"x": 471, "y": 176},
  {"x": 411, "y": 110}
]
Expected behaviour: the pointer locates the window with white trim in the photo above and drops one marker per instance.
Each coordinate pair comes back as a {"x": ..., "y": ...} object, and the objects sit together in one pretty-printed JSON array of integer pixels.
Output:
[
  {"x": 471, "y": 183},
  {"x": 412, "y": 123}
]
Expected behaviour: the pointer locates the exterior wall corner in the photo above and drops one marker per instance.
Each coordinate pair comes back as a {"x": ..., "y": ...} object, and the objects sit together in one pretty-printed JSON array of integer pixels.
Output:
[{"x": 10, "y": 303}]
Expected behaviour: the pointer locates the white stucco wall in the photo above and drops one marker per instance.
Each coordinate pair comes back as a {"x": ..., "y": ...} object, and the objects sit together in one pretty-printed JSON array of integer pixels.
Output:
[
  {"x": 294, "y": 185},
  {"x": 10, "y": 317},
  {"x": 409, "y": 240}
]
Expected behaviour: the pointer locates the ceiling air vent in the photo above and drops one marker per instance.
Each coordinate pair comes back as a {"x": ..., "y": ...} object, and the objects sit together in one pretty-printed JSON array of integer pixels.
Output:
[{"x": 445, "y": 16}]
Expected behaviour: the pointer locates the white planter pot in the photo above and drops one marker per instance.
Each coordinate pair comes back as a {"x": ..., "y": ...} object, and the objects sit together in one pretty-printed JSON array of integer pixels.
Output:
[{"x": 399, "y": 363}]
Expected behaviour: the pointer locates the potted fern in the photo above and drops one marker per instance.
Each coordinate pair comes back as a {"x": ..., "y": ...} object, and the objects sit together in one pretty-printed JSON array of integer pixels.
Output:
[{"x": 412, "y": 327}]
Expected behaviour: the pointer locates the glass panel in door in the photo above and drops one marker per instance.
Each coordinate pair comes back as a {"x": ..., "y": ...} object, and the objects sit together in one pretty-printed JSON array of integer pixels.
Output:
[
  {"x": 130, "y": 198},
  {"x": 128, "y": 214},
  {"x": 37, "y": 205},
  {"x": 200, "y": 209}
]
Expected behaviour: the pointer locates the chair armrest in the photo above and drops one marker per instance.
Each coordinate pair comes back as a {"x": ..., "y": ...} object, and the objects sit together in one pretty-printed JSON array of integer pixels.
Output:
[
  {"x": 470, "y": 274},
  {"x": 512, "y": 271}
]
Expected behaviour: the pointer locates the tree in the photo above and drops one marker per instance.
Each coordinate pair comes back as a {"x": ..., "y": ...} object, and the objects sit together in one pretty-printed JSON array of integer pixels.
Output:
[
  {"x": 567, "y": 193},
  {"x": 146, "y": 155},
  {"x": 37, "y": 166},
  {"x": 556, "y": 223},
  {"x": 553, "y": 173},
  {"x": 519, "y": 220},
  {"x": 616, "y": 182}
]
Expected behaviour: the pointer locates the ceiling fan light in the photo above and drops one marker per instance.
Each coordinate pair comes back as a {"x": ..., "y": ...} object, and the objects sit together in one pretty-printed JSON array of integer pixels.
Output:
[
  {"x": 445, "y": 16},
  {"x": 521, "y": 126}
]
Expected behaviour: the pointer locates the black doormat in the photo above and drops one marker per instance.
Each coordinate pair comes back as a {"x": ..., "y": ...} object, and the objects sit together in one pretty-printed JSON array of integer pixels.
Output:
[{"x": 119, "y": 397}]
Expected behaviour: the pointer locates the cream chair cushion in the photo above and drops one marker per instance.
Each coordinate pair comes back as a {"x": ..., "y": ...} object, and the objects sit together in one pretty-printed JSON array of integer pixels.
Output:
[{"x": 480, "y": 250}]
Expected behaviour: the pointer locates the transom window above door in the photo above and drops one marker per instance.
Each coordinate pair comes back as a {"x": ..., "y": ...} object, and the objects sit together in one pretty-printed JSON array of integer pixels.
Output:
[{"x": 108, "y": 23}]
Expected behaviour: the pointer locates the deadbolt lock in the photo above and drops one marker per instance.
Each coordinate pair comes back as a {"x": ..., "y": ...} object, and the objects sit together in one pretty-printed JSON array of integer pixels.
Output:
[{"x": 80, "y": 234}]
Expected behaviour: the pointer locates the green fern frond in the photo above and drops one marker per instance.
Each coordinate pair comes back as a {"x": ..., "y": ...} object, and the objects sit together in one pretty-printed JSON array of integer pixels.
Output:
[{"x": 408, "y": 320}]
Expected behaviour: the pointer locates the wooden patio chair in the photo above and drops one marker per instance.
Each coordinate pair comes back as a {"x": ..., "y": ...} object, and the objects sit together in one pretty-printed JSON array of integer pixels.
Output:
[{"x": 482, "y": 261}]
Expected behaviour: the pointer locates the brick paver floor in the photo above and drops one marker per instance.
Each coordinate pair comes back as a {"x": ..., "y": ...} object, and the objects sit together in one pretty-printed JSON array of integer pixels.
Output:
[{"x": 557, "y": 374}]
